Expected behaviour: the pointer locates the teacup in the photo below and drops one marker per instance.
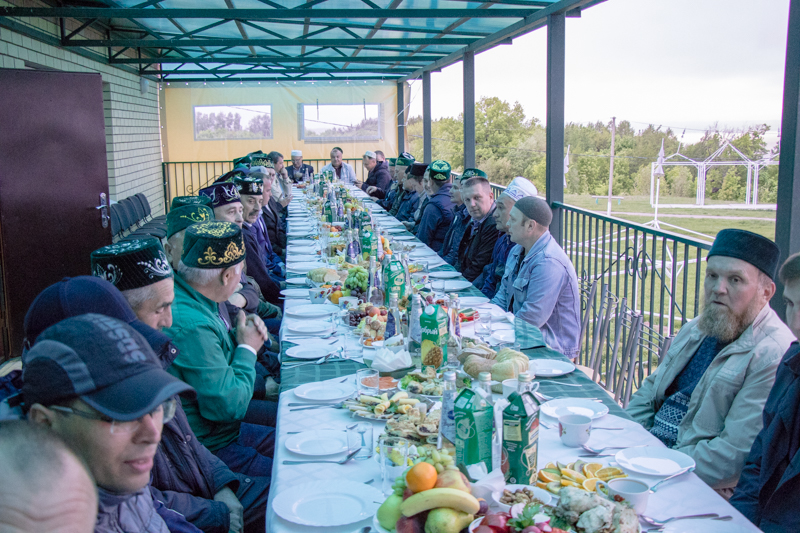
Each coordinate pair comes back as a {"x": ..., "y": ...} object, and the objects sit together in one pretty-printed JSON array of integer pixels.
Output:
[
  {"x": 510, "y": 385},
  {"x": 348, "y": 302},
  {"x": 574, "y": 430},
  {"x": 318, "y": 296},
  {"x": 635, "y": 493}
]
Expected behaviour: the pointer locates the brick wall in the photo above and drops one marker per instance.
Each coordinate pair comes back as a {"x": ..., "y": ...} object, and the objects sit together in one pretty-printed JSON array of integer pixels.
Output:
[{"x": 133, "y": 131}]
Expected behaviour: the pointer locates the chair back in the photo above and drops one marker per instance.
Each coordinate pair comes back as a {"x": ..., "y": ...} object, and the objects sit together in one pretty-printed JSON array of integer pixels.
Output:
[
  {"x": 601, "y": 346},
  {"x": 129, "y": 219},
  {"x": 145, "y": 204},
  {"x": 116, "y": 221},
  {"x": 588, "y": 290}
]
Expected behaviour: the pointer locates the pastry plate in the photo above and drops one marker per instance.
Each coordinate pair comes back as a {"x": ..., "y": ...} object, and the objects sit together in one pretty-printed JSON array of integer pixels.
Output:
[
  {"x": 312, "y": 310},
  {"x": 310, "y": 350},
  {"x": 446, "y": 274},
  {"x": 295, "y": 293}
]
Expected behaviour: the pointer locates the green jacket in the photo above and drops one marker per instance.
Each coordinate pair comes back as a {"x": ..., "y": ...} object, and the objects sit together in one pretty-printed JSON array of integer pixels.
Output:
[
  {"x": 725, "y": 408},
  {"x": 209, "y": 360}
]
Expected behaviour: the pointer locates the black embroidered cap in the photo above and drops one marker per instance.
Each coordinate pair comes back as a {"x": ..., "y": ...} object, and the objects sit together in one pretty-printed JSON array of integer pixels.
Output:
[
  {"x": 249, "y": 185},
  {"x": 182, "y": 217},
  {"x": 132, "y": 264},
  {"x": 213, "y": 245},
  {"x": 221, "y": 194},
  {"x": 178, "y": 201}
]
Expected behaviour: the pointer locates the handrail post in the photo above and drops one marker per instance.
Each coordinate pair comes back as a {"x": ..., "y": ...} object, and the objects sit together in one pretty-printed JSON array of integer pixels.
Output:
[{"x": 554, "y": 169}]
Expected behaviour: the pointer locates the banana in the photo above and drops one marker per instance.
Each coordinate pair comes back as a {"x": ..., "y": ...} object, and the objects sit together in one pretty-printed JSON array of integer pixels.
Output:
[
  {"x": 399, "y": 396},
  {"x": 434, "y": 498}
]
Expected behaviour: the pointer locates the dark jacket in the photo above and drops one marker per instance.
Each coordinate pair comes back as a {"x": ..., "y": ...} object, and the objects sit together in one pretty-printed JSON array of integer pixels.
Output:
[
  {"x": 380, "y": 178},
  {"x": 408, "y": 205},
  {"x": 305, "y": 169},
  {"x": 493, "y": 272},
  {"x": 257, "y": 269},
  {"x": 398, "y": 200},
  {"x": 475, "y": 249},
  {"x": 391, "y": 194},
  {"x": 185, "y": 475},
  {"x": 436, "y": 218},
  {"x": 275, "y": 227},
  {"x": 250, "y": 295},
  {"x": 449, "y": 249},
  {"x": 768, "y": 493}
]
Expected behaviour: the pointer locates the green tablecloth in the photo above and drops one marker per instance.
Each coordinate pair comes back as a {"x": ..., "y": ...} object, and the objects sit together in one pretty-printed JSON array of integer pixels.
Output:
[{"x": 528, "y": 336}]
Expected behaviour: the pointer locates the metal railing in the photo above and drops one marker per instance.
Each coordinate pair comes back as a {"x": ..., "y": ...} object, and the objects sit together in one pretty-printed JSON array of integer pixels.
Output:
[{"x": 187, "y": 177}]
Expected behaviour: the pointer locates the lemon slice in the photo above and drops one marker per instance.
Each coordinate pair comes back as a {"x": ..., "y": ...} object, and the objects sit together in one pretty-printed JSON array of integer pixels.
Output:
[
  {"x": 609, "y": 473},
  {"x": 548, "y": 477},
  {"x": 590, "y": 469},
  {"x": 568, "y": 483},
  {"x": 590, "y": 484},
  {"x": 573, "y": 475},
  {"x": 551, "y": 466},
  {"x": 554, "y": 487}
]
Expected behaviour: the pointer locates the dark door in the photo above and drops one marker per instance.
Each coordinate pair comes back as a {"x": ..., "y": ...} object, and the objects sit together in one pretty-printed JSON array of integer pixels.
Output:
[{"x": 53, "y": 174}]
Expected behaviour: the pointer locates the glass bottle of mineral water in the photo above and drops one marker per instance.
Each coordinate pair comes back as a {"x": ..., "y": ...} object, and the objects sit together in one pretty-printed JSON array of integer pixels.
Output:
[
  {"x": 447, "y": 423},
  {"x": 415, "y": 332},
  {"x": 485, "y": 383},
  {"x": 524, "y": 383},
  {"x": 394, "y": 316}
]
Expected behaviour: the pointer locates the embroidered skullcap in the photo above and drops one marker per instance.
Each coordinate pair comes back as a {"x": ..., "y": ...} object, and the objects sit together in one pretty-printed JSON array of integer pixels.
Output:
[
  {"x": 214, "y": 244},
  {"x": 297, "y": 153},
  {"x": 472, "y": 172},
  {"x": 258, "y": 159},
  {"x": 228, "y": 177},
  {"x": 418, "y": 169},
  {"x": 251, "y": 185},
  {"x": 182, "y": 217},
  {"x": 221, "y": 194},
  {"x": 520, "y": 188},
  {"x": 405, "y": 159},
  {"x": 535, "y": 209},
  {"x": 131, "y": 264},
  {"x": 439, "y": 170},
  {"x": 179, "y": 201},
  {"x": 759, "y": 251}
]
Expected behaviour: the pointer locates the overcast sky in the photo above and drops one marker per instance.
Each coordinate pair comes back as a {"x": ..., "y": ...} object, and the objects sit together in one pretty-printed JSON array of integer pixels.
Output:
[{"x": 687, "y": 64}]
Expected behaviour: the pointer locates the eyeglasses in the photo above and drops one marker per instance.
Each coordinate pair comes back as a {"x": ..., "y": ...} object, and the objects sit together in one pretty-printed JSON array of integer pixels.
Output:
[{"x": 165, "y": 412}]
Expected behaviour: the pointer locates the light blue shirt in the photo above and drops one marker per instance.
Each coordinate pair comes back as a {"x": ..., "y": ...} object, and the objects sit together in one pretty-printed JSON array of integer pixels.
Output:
[
  {"x": 348, "y": 175},
  {"x": 545, "y": 293}
]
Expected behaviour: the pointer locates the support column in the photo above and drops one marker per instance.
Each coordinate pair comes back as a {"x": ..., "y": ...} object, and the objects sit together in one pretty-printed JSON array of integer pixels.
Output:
[
  {"x": 427, "y": 152},
  {"x": 787, "y": 218},
  {"x": 554, "y": 170},
  {"x": 401, "y": 119},
  {"x": 469, "y": 109}
]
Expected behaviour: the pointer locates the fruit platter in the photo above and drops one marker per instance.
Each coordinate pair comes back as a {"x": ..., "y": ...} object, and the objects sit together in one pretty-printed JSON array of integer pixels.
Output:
[{"x": 579, "y": 474}]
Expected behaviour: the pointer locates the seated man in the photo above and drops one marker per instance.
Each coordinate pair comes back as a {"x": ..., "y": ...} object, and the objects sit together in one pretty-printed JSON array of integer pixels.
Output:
[
  {"x": 493, "y": 272},
  {"x": 96, "y": 383},
  {"x": 392, "y": 192},
  {"x": 539, "y": 284},
  {"x": 706, "y": 397},
  {"x": 281, "y": 185},
  {"x": 401, "y": 168},
  {"x": 186, "y": 477},
  {"x": 768, "y": 489},
  {"x": 438, "y": 214},
  {"x": 415, "y": 194},
  {"x": 272, "y": 213},
  {"x": 343, "y": 171},
  {"x": 378, "y": 179},
  {"x": 45, "y": 487},
  {"x": 299, "y": 171},
  {"x": 449, "y": 249},
  {"x": 475, "y": 248},
  {"x": 220, "y": 364},
  {"x": 251, "y": 191}
]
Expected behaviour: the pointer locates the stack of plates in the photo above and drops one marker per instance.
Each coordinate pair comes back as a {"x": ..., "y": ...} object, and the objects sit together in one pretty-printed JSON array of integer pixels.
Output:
[{"x": 311, "y": 311}]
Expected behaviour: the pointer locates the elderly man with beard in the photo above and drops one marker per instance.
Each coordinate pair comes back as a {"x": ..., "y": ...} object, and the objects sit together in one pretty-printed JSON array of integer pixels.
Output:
[{"x": 706, "y": 397}]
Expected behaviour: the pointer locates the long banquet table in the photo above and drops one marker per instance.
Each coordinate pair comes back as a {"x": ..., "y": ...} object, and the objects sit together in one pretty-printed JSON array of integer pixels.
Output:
[{"x": 685, "y": 495}]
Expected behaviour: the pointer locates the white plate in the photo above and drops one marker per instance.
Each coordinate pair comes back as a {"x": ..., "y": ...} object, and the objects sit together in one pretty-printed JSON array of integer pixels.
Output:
[
  {"x": 473, "y": 301},
  {"x": 312, "y": 351},
  {"x": 309, "y": 327},
  {"x": 321, "y": 504},
  {"x": 324, "y": 391},
  {"x": 446, "y": 274},
  {"x": 540, "y": 494},
  {"x": 312, "y": 310},
  {"x": 456, "y": 285},
  {"x": 301, "y": 258},
  {"x": 574, "y": 406},
  {"x": 704, "y": 526},
  {"x": 302, "y": 242},
  {"x": 297, "y": 232},
  {"x": 302, "y": 249},
  {"x": 304, "y": 267},
  {"x": 298, "y": 281},
  {"x": 403, "y": 238},
  {"x": 503, "y": 336},
  {"x": 653, "y": 460},
  {"x": 295, "y": 293},
  {"x": 550, "y": 368},
  {"x": 319, "y": 442},
  {"x": 392, "y": 231}
]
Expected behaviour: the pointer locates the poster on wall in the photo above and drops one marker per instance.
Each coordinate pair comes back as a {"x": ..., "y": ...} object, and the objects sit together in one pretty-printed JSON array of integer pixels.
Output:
[{"x": 226, "y": 122}]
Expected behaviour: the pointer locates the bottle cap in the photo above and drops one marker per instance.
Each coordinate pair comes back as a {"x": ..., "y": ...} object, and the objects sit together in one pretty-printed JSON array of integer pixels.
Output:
[
  {"x": 524, "y": 376},
  {"x": 484, "y": 376},
  {"x": 449, "y": 376}
]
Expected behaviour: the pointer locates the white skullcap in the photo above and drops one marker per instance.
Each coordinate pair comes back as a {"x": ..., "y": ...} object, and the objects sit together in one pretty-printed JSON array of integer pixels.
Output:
[
  {"x": 297, "y": 153},
  {"x": 370, "y": 154},
  {"x": 520, "y": 188}
]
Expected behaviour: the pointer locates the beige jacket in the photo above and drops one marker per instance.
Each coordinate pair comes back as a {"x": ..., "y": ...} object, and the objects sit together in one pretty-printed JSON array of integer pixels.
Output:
[{"x": 725, "y": 408}]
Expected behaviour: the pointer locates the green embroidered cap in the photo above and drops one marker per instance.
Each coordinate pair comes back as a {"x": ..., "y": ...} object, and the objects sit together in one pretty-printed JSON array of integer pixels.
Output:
[
  {"x": 213, "y": 244},
  {"x": 391, "y": 161},
  {"x": 472, "y": 172},
  {"x": 260, "y": 159},
  {"x": 405, "y": 159},
  {"x": 242, "y": 161},
  {"x": 182, "y": 217},
  {"x": 228, "y": 177},
  {"x": 439, "y": 170},
  {"x": 131, "y": 264},
  {"x": 249, "y": 185},
  {"x": 179, "y": 201}
]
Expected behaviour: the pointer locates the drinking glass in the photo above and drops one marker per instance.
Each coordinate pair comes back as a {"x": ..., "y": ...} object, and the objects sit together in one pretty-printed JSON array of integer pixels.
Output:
[
  {"x": 393, "y": 459},
  {"x": 483, "y": 326},
  {"x": 438, "y": 288},
  {"x": 368, "y": 381},
  {"x": 359, "y": 437}
]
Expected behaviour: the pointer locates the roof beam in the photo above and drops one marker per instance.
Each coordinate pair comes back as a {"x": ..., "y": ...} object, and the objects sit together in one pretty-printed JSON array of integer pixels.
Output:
[
  {"x": 391, "y": 79},
  {"x": 398, "y": 71},
  {"x": 275, "y": 59},
  {"x": 261, "y": 14},
  {"x": 182, "y": 43},
  {"x": 366, "y": 26}
]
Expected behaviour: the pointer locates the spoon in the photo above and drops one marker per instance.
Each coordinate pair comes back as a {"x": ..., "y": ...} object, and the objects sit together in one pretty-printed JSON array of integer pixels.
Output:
[
  {"x": 662, "y": 523},
  {"x": 676, "y": 474},
  {"x": 339, "y": 462}
]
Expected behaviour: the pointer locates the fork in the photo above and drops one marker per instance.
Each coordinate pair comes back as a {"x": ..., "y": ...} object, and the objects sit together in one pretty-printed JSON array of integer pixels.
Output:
[
  {"x": 339, "y": 462},
  {"x": 601, "y": 450},
  {"x": 332, "y": 405}
]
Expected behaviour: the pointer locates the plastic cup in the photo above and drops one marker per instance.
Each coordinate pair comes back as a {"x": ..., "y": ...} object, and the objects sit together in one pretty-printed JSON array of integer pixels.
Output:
[
  {"x": 393, "y": 459},
  {"x": 359, "y": 437}
]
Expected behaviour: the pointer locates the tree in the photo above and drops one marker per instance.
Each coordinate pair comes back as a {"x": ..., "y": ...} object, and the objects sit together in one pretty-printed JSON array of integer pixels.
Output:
[{"x": 732, "y": 186}]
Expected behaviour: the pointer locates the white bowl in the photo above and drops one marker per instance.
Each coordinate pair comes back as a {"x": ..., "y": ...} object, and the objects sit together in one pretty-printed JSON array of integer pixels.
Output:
[{"x": 541, "y": 495}]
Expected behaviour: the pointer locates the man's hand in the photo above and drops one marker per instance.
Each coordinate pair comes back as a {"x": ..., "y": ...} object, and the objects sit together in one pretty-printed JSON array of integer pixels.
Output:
[
  {"x": 250, "y": 330},
  {"x": 227, "y": 497},
  {"x": 238, "y": 300},
  {"x": 371, "y": 189},
  {"x": 357, "y": 183},
  {"x": 285, "y": 201}
]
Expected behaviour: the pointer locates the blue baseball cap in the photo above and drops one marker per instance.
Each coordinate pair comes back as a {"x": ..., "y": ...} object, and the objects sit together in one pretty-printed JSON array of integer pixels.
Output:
[{"x": 101, "y": 360}]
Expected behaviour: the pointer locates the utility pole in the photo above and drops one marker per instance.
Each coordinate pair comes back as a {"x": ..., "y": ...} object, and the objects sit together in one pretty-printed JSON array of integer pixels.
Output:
[{"x": 611, "y": 170}]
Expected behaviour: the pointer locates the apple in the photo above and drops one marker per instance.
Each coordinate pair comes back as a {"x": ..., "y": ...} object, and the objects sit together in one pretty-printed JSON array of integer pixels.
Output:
[
  {"x": 483, "y": 529},
  {"x": 407, "y": 493},
  {"x": 453, "y": 479},
  {"x": 410, "y": 524}
]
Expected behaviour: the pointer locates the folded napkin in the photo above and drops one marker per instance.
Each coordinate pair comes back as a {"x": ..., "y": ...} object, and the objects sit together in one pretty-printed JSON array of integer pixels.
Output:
[
  {"x": 487, "y": 483},
  {"x": 386, "y": 360}
]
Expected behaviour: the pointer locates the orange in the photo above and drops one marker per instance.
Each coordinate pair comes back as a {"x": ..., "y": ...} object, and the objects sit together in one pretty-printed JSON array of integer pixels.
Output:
[
  {"x": 590, "y": 484},
  {"x": 590, "y": 469},
  {"x": 422, "y": 476},
  {"x": 573, "y": 475},
  {"x": 548, "y": 477}
]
